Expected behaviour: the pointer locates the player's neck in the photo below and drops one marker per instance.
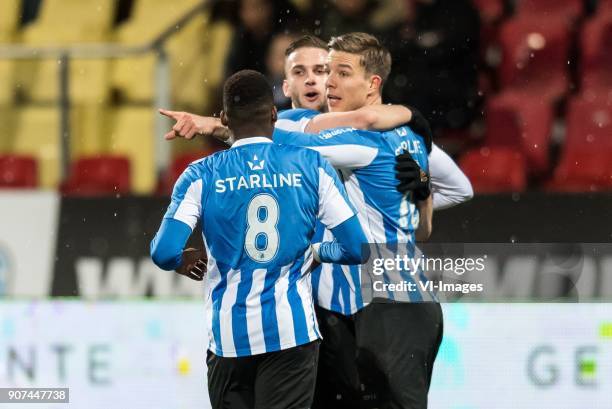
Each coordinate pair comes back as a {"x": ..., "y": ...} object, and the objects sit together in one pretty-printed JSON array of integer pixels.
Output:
[
  {"x": 251, "y": 131},
  {"x": 374, "y": 99}
]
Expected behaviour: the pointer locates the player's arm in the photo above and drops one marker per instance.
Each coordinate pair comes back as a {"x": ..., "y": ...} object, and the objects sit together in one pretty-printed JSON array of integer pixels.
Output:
[
  {"x": 374, "y": 117},
  {"x": 449, "y": 184},
  {"x": 338, "y": 215},
  {"x": 188, "y": 126},
  {"x": 425, "y": 207},
  {"x": 344, "y": 148},
  {"x": 178, "y": 224}
]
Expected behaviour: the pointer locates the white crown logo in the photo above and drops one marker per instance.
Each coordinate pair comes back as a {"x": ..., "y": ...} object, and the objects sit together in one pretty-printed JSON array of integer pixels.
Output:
[{"x": 256, "y": 164}]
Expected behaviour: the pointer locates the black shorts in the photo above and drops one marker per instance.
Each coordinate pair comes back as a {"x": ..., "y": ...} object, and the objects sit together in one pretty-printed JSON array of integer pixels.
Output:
[
  {"x": 338, "y": 385},
  {"x": 397, "y": 344},
  {"x": 275, "y": 380},
  {"x": 381, "y": 357}
]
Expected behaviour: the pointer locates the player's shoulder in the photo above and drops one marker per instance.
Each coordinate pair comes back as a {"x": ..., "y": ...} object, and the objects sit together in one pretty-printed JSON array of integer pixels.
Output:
[
  {"x": 295, "y": 114},
  {"x": 200, "y": 166}
]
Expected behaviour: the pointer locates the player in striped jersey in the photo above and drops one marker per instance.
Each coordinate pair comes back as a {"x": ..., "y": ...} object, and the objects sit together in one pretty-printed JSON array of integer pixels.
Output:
[
  {"x": 304, "y": 69},
  {"x": 258, "y": 203}
]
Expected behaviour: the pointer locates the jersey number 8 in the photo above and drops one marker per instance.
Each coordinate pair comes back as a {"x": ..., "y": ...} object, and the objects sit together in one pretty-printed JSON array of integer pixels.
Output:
[{"x": 262, "y": 240}]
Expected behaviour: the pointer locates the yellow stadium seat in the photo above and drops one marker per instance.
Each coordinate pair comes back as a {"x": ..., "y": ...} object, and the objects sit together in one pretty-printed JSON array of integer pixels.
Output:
[
  {"x": 88, "y": 80},
  {"x": 37, "y": 133},
  {"x": 134, "y": 77},
  {"x": 89, "y": 130},
  {"x": 6, "y": 82},
  {"x": 9, "y": 19},
  {"x": 61, "y": 23},
  {"x": 7, "y": 128},
  {"x": 133, "y": 135}
]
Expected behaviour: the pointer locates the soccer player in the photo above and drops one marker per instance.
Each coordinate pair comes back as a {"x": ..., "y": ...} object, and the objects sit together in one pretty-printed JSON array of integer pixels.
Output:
[
  {"x": 304, "y": 70},
  {"x": 258, "y": 203}
]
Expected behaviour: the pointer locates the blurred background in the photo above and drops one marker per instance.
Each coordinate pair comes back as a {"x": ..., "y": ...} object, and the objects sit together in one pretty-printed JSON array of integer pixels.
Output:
[{"x": 519, "y": 92}]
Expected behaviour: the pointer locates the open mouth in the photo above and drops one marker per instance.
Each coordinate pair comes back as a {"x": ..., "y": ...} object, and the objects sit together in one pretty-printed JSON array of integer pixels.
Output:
[{"x": 311, "y": 96}]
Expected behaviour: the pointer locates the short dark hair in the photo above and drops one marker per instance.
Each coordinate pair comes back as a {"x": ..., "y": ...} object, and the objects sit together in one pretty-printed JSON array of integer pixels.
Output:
[
  {"x": 247, "y": 94},
  {"x": 306, "y": 41},
  {"x": 375, "y": 58}
]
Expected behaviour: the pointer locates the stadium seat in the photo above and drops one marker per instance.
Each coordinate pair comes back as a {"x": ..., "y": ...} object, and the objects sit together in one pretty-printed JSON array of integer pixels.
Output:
[
  {"x": 534, "y": 57},
  {"x": 9, "y": 19},
  {"x": 495, "y": 169},
  {"x": 596, "y": 67},
  {"x": 604, "y": 7},
  {"x": 67, "y": 22},
  {"x": 37, "y": 134},
  {"x": 89, "y": 129},
  {"x": 523, "y": 122},
  {"x": 18, "y": 172},
  {"x": 586, "y": 160},
  {"x": 103, "y": 175},
  {"x": 546, "y": 9},
  {"x": 179, "y": 164},
  {"x": 132, "y": 134},
  {"x": 133, "y": 77}
]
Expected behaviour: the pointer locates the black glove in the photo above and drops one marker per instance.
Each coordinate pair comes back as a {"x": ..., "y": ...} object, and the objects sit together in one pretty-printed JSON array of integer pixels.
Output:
[
  {"x": 411, "y": 177},
  {"x": 420, "y": 126}
]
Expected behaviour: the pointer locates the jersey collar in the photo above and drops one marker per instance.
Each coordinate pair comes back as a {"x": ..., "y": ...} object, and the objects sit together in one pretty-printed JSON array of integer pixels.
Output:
[{"x": 248, "y": 141}]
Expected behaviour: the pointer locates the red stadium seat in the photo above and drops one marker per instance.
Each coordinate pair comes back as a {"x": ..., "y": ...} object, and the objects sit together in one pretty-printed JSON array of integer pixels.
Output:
[
  {"x": 495, "y": 169},
  {"x": 18, "y": 172},
  {"x": 604, "y": 7},
  {"x": 534, "y": 57},
  {"x": 523, "y": 122},
  {"x": 177, "y": 167},
  {"x": 596, "y": 43},
  {"x": 100, "y": 175},
  {"x": 490, "y": 10},
  {"x": 566, "y": 9},
  {"x": 586, "y": 160}
]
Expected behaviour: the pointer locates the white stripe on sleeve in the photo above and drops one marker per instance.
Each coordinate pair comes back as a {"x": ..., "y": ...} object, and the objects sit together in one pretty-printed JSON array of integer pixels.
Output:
[
  {"x": 333, "y": 207},
  {"x": 347, "y": 156},
  {"x": 191, "y": 206}
]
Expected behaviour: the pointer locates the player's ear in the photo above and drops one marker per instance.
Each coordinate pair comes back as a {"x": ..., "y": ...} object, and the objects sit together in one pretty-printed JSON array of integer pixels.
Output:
[
  {"x": 375, "y": 84},
  {"x": 223, "y": 117},
  {"x": 286, "y": 89},
  {"x": 274, "y": 115}
]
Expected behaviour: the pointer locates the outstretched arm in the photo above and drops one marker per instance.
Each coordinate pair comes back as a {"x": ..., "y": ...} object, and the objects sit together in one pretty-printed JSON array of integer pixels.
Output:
[
  {"x": 373, "y": 117},
  {"x": 188, "y": 126}
]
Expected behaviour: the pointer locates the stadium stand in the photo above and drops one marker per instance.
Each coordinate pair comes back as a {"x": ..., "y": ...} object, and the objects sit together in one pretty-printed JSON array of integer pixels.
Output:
[
  {"x": 101, "y": 175},
  {"x": 595, "y": 44},
  {"x": 37, "y": 134},
  {"x": 586, "y": 160},
  {"x": 131, "y": 135},
  {"x": 522, "y": 122},
  {"x": 535, "y": 55},
  {"x": 67, "y": 22},
  {"x": 495, "y": 169},
  {"x": 568, "y": 10},
  {"x": 18, "y": 172},
  {"x": 533, "y": 60}
]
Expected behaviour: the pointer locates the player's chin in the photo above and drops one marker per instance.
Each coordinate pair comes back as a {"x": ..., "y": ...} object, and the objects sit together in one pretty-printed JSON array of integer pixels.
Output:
[{"x": 315, "y": 104}]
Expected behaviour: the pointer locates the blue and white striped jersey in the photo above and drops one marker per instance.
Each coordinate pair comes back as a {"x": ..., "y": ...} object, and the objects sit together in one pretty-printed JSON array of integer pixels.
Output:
[
  {"x": 366, "y": 161},
  {"x": 259, "y": 203}
]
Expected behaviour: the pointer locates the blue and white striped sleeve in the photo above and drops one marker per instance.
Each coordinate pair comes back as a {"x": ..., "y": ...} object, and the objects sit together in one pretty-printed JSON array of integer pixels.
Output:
[
  {"x": 334, "y": 205},
  {"x": 344, "y": 148},
  {"x": 179, "y": 221},
  {"x": 186, "y": 205},
  {"x": 337, "y": 213}
]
